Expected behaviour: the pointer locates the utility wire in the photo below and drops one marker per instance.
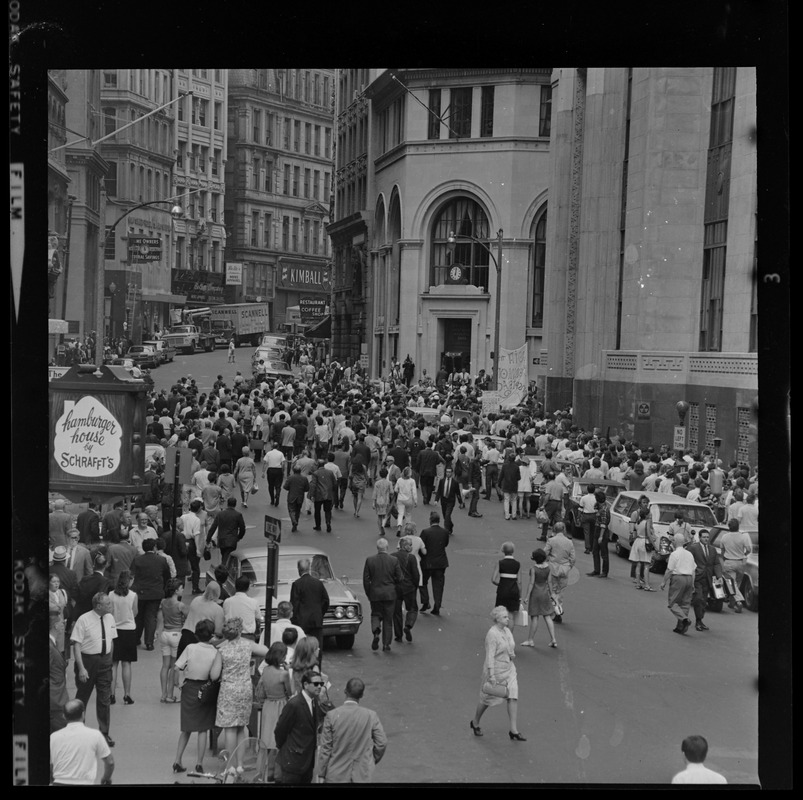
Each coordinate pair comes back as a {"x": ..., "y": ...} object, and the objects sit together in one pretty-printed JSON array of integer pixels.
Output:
[{"x": 429, "y": 110}]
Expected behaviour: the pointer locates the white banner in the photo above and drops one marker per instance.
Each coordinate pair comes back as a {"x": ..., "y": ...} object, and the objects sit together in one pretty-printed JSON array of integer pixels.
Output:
[
  {"x": 490, "y": 403},
  {"x": 512, "y": 376}
]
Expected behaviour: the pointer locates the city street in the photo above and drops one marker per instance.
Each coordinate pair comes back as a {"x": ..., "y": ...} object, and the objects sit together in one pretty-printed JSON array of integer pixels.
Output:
[{"x": 610, "y": 705}]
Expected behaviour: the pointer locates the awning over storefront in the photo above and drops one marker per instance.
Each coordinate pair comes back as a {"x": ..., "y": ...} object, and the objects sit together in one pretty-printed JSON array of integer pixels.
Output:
[
  {"x": 176, "y": 299},
  {"x": 323, "y": 330}
]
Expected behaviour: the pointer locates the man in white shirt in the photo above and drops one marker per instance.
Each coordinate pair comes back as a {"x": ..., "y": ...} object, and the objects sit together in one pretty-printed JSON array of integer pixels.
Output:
[
  {"x": 142, "y": 531},
  {"x": 284, "y": 611},
  {"x": 748, "y": 514},
  {"x": 190, "y": 524},
  {"x": 75, "y": 750},
  {"x": 695, "y": 749},
  {"x": 245, "y": 607},
  {"x": 680, "y": 569}
]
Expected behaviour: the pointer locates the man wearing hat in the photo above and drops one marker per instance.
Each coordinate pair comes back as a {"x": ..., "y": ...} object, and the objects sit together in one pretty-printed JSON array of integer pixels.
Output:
[
  {"x": 59, "y": 522},
  {"x": 58, "y": 567}
]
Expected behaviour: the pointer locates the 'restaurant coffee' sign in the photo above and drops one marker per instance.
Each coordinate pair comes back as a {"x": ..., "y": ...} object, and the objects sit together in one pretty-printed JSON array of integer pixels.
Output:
[{"x": 87, "y": 439}]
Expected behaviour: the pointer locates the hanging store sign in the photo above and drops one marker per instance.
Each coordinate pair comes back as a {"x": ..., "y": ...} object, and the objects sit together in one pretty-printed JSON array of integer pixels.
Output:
[
  {"x": 312, "y": 309},
  {"x": 142, "y": 249},
  {"x": 308, "y": 277},
  {"x": 201, "y": 286},
  {"x": 234, "y": 273},
  {"x": 87, "y": 439}
]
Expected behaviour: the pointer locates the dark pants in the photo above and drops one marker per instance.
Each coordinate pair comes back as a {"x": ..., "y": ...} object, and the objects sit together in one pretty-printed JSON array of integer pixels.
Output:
[
  {"x": 475, "y": 497},
  {"x": 553, "y": 509},
  {"x": 275, "y": 478},
  {"x": 382, "y": 619},
  {"x": 146, "y": 619},
  {"x": 195, "y": 565},
  {"x": 427, "y": 487},
  {"x": 292, "y": 777},
  {"x": 411, "y": 608},
  {"x": 342, "y": 491},
  {"x": 492, "y": 481},
  {"x": 699, "y": 600},
  {"x": 438, "y": 580},
  {"x": 588, "y": 522},
  {"x": 294, "y": 510},
  {"x": 100, "y": 679},
  {"x": 167, "y": 517},
  {"x": 327, "y": 510},
  {"x": 447, "y": 506},
  {"x": 599, "y": 550}
]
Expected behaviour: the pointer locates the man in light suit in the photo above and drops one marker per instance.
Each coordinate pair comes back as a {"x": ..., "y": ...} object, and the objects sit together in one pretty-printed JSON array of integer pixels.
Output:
[
  {"x": 435, "y": 562},
  {"x": 295, "y": 732},
  {"x": 707, "y": 565},
  {"x": 447, "y": 494},
  {"x": 310, "y": 601},
  {"x": 79, "y": 557},
  {"x": 353, "y": 740},
  {"x": 380, "y": 577}
]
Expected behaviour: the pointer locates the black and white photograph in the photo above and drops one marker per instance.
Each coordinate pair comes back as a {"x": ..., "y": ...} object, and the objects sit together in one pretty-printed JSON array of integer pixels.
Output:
[{"x": 377, "y": 397}]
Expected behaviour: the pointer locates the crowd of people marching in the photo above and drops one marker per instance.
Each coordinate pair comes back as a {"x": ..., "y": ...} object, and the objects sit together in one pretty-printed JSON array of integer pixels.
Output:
[{"x": 329, "y": 433}]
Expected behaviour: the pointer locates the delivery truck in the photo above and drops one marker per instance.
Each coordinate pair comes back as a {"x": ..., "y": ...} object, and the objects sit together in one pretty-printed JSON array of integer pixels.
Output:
[{"x": 246, "y": 322}]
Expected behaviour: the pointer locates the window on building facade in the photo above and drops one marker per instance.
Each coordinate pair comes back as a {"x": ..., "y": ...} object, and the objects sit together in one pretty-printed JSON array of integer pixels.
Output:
[
  {"x": 327, "y": 147},
  {"x": 433, "y": 121},
  {"x": 296, "y": 180},
  {"x": 460, "y": 112},
  {"x": 317, "y": 140},
  {"x": 218, "y": 114},
  {"x": 307, "y": 137},
  {"x": 268, "y": 229},
  {"x": 109, "y": 120},
  {"x": 316, "y": 185},
  {"x": 326, "y": 91},
  {"x": 286, "y": 142},
  {"x": 294, "y": 242},
  {"x": 214, "y": 256},
  {"x": 256, "y": 117},
  {"x": 297, "y": 136},
  {"x": 286, "y": 183},
  {"x": 254, "y": 229},
  {"x": 285, "y": 233},
  {"x": 464, "y": 217},
  {"x": 316, "y": 85},
  {"x": 306, "y": 244},
  {"x": 180, "y": 108},
  {"x": 109, "y": 246},
  {"x": 216, "y": 162},
  {"x": 268, "y": 187},
  {"x": 316, "y": 236},
  {"x": 325, "y": 187},
  {"x": 257, "y": 165},
  {"x": 270, "y": 121},
  {"x": 109, "y": 78},
  {"x": 717, "y": 193},
  {"x": 545, "y": 115},
  {"x": 539, "y": 270},
  {"x": 487, "y": 111},
  {"x": 110, "y": 181}
]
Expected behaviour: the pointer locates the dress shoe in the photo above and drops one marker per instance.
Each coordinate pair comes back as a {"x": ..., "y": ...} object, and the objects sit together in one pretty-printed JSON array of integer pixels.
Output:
[
  {"x": 127, "y": 700},
  {"x": 516, "y": 737},
  {"x": 476, "y": 728},
  {"x": 542, "y": 538},
  {"x": 592, "y": 573},
  {"x": 112, "y": 700},
  {"x": 680, "y": 629},
  {"x": 700, "y": 627},
  {"x": 398, "y": 639},
  {"x": 686, "y": 625},
  {"x": 558, "y": 618},
  {"x": 316, "y": 529},
  {"x": 375, "y": 643},
  {"x": 586, "y": 552},
  {"x": 604, "y": 575},
  {"x": 386, "y": 648},
  {"x": 199, "y": 767},
  {"x": 328, "y": 528},
  {"x": 408, "y": 634},
  {"x": 425, "y": 608},
  {"x": 178, "y": 768},
  {"x": 738, "y": 608},
  {"x": 436, "y": 611},
  {"x": 149, "y": 647}
]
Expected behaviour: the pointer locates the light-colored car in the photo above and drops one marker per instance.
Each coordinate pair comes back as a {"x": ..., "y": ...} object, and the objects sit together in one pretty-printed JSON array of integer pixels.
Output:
[
  {"x": 749, "y": 587},
  {"x": 144, "y": 355},
  {"x": 342, "y": 619},
  {"x": 165, "y": 350},
  {"x": 580, "y": 486},
  {"x": 561, "y": 464},
  {"x": 662, "y": 511},
  {"x": 272, "y": 367}
]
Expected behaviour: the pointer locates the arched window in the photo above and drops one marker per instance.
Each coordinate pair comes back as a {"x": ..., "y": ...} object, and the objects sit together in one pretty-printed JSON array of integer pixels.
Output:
[
  {"x": 539, "y": 267},
  {"x": 463, "y": 217}
]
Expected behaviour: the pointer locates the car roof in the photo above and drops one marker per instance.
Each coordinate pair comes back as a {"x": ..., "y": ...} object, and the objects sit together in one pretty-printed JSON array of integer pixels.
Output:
[
  {"x": 661, "y": 498},
  {"x": 293, "y": 551},
  {"x": 600, "y": 482}
]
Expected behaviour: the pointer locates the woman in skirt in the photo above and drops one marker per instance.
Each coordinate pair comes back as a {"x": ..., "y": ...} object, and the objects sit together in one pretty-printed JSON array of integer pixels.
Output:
[
  {"x": 272, "y": 693},
  {"x": 198, "y": 663},
  {"x": 124, "y": 609}
]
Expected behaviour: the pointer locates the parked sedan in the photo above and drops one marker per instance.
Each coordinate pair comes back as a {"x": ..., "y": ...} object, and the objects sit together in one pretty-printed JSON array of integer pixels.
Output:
[
  {"x": 144, "y": 355},
  {"x": 164, "y": 349},
  {"x": 662, "y": 510},
  {"x": 749, "y": 587},
  {"x": 342, "y": 619},
  {"x": 580, "y": 486}
]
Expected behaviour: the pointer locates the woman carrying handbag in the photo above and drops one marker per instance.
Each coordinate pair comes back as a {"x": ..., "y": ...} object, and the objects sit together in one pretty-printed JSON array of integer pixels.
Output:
[{"x": 499, "y": 681}]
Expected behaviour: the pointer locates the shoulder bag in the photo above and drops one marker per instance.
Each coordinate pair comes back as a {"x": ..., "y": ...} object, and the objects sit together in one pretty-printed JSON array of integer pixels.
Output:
[{"x": 208, "y": 692}]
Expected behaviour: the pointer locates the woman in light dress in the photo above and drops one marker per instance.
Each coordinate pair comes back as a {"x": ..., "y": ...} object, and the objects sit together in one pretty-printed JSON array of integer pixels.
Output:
[
  {"x": 272, "y": 693},
  {"x": 245, "y": 473},
  {"x": 499, "y": 669},
  {"x": 641, "y": 529},
  {"x": 406, "y": 497}
]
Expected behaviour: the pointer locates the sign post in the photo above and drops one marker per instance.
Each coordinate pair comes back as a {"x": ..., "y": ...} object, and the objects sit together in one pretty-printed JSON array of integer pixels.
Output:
[
  {"x": 273, "y": 533},
  {"x": 679, "y": 438}
]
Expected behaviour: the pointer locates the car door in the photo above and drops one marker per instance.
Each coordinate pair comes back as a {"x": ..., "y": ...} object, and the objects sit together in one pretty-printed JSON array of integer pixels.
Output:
[{"x": 621, "y": 510}]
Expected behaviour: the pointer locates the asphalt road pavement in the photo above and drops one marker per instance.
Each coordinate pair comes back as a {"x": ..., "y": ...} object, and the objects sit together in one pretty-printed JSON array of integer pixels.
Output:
[{"x": 610, "y": 705}]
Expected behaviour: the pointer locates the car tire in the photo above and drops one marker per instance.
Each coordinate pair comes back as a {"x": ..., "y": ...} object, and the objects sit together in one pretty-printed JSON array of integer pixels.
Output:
[
  {"x": 620, "y": 551},
  {"x": 750, "y": 595},
  {"x": 345, "y": 641}
]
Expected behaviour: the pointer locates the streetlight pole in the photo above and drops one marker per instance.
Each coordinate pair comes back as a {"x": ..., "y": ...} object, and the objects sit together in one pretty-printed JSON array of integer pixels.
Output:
[
  {"x": 176, "y": 211},
  {"x": 453, "y": 237}
]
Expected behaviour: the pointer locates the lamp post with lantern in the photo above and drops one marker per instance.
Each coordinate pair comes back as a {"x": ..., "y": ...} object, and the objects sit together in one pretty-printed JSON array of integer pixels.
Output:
[{"x": 452, "y": 241}]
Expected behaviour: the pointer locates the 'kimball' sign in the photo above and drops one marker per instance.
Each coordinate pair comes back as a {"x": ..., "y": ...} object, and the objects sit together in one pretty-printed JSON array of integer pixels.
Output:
[{"x": 87, "y": 439}]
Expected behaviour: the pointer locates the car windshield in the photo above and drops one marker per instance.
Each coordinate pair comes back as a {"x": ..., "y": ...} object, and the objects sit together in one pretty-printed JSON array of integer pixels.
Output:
[
  {"x": 256, "y": 568},
  {"x": 694, "y": 515}
]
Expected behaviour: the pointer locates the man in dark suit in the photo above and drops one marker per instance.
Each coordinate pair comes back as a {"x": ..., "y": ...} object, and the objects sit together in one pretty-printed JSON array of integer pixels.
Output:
[
  {"x": 223, "y": 445},
  {"x": 428, "y": 461},
  {"x": 310, "y": 600},
  {"x": 120, "y": 556},
  {"x": 435, "y": 562},
  {"x": 323, "y": 492},
  {"x": 151, "y": 574},
  {"x": 89, "y": 586},
  {"x": 112, "y": 522},
  {"x": 447, "y": 494},
  {"x": 211, "y": 455},
  {"x": 79, "y": 557},
  {"x": 296, "y": 731},
  {"x": 380, "y": 577},
  {"x": 406, "y": 590},
  {"x": 707, "y": 565},
  {"x": 65, "y": 575},
  {"x": 230, "y": 527},
  {"x": 88, "y": 524}
]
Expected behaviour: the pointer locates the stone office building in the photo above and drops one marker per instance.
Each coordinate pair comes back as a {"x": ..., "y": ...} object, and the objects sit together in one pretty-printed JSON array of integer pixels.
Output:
[{"x": 650, "y": 254}]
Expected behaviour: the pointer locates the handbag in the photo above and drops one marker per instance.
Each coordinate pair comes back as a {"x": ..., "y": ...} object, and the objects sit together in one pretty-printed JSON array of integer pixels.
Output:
[
  {"x": 254, "y": 489},
  {"x": 718, "y": 588},
  {"x": 558, "y": 605},
  {"x": 522, "y": 617},
  {"x": 495, "y": 689},
  {"x": 541, "y": 516},
  {"x": 208, "y": 692}
]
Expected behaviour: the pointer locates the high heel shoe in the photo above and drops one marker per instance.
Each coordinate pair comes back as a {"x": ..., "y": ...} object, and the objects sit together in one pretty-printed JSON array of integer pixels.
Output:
[
  {"x": 178, "y": 768},
  {"x": 128, "y": 700},
  {"x": 553, "y": 643},
  {"x": 199, "y": 767},
  {"x": 476, "y": 728},
  {"x": 516, "y": 737}
]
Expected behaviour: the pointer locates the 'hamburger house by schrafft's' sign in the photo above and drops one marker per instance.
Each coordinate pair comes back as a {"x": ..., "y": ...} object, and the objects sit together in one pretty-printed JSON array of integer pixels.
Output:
[{"x": 97, "y": 432}]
